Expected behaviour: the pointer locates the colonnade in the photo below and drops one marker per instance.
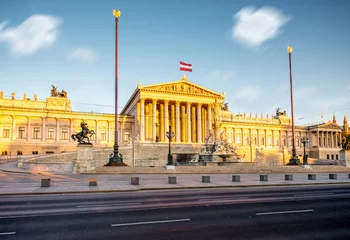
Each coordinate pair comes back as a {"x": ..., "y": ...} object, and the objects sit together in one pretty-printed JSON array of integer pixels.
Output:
[
  {"x": 328, "y": 139},
  {"x": 190, "y": 122}
]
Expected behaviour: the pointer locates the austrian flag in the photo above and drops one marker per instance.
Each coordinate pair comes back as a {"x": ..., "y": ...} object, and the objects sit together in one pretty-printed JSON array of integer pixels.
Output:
[{"x": 185, "y": 67}]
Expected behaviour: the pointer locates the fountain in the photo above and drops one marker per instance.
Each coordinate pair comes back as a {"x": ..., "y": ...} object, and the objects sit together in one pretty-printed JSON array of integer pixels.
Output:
[{"x": 218, "y": 151}]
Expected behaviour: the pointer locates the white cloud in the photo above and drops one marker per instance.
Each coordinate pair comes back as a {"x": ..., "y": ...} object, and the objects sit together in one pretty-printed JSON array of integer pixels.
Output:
[
  {"x": 248, "y": 93},
  {"x": 255, "y": 26},
  {"x": 83, "y": 55},
  {"x": 38, "y": 31}
]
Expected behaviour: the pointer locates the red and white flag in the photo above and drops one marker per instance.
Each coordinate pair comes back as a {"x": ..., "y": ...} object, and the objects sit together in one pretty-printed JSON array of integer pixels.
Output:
[{"x": 185, "y": 67}]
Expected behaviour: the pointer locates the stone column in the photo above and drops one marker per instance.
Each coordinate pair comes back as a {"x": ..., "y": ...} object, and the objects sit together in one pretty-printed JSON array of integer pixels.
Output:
[
  {"x": 13, "y": 131},
  {"x": 71, "y": 130},
  {"x": 339, "y": 139},
  {"x": 188, "y": 122},
  {"x": 29, "y": 130},
  {"x": 183, "y": 124},
  {"x": 258, "y": 138},
  {"x": 138, "y": 119},
  {"x": 57, "y": 129},
  {"x": 177, "y": 119},
  {"x": 142, "y": 118},
  {"x": 327, "y": 142},
  {"x": 193, "y": 128},
  {"x": 265, "y": 142},
  {"x": 96, "y": 132},
  {"x": 280, "y": 138},
  {"x": 209, "y": 117},
  {"x": 108, "y": 134},
  {"x": 199, "y": 123},
  {"x": 273, "y": 138},
  {"x": 166, "y": 117},
  {"x": 318, "y": 139},
  {"x": 173, "y": 127},
  {"x": 162, "y": 122},
  {"x": 43, "y": 134},
  {"x": 154, "y": 115}
]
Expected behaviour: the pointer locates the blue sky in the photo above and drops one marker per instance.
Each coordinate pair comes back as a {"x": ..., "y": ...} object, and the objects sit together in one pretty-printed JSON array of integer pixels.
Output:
[{"x": 239, "y": 47}]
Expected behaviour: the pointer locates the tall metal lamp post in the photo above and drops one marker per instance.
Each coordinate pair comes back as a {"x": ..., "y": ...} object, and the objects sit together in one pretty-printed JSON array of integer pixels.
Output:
[
  {"x": 170, "y": 135},
  {"x": 117, "y": 157},
  {"x": 304, "y": 140},
  {"x": 294, "y": 159}
]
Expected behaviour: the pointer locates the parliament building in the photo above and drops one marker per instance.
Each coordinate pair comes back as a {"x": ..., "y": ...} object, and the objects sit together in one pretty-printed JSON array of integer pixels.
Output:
[{"x": 31, "y": 126}]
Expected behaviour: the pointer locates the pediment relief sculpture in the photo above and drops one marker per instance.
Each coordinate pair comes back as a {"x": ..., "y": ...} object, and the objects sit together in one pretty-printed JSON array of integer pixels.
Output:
[{"x": 182, "y": 87}]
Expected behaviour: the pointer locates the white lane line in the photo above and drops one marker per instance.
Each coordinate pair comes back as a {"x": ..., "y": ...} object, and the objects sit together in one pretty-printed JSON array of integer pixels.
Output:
[
  {"x": 284, "y": 212},
  {"x": 220, "y": 199},
  {"x": 7, "y": 233},
  {"x": 153, "y": 222},
  {"x": 107, "y": 205},
  {"x": 313, "y": 195}
]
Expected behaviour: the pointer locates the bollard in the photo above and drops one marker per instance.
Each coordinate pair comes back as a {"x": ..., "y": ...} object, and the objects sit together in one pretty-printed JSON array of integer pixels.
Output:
[
  {"x": 288, "y": 177},
  {"x": 236, "y": 178},
  {"x": 206, "y": 179},
  {"x": 172, "y": 180},
  {"x": 45, "y": 182},
  {"x": 134, "y": 181},
  {"x": 93, "y": 182},
  {"x": 312, "y": 177},
  {"x": 263, "y": 178},
  {"x": 332, "y": 176}
]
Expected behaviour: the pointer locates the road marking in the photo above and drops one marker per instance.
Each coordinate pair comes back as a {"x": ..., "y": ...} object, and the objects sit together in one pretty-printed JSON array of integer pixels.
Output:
[
  {"x": 221, "y": 199},
  {"x": 107, "y": 205},
  {"x": 284, "y": 212},
  {"x": 313, "y": 195},
  {"x": 7, "y": 233},
  {"x": 153, "y": 222}
]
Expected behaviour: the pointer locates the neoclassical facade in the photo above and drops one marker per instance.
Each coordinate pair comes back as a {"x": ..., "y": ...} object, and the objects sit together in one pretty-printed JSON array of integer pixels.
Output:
[{"x": 28, "y": 125}]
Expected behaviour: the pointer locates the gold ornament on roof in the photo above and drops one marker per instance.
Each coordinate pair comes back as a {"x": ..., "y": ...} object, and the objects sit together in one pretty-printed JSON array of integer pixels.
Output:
[
  {"x": 116, "y": 13},
  {"x": 289, "y": 49}
]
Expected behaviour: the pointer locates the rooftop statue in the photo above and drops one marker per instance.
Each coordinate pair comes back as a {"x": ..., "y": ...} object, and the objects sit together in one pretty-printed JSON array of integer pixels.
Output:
[
  {"x": 54, "y": 92},
  {"x": 83, "y": 136}
]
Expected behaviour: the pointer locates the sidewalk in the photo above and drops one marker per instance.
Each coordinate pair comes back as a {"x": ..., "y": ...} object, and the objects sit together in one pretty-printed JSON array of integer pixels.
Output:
[{"x": 18, "y": 183}]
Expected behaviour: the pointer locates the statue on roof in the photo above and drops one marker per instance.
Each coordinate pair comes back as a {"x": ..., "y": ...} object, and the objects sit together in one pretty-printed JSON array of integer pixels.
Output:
[
  {"x": 55, "y": 93},
  {"x": 224, "y": 106},
  {"x": 280, "y": 113}
]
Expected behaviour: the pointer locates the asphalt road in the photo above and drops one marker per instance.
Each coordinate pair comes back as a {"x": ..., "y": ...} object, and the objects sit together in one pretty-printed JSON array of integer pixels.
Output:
[{"x": 308, "y": 212}]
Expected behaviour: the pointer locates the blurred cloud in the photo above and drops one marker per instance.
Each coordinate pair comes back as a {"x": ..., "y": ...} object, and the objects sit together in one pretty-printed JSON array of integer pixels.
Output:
[
  {"x": 83, "y": 55},
  {"x": 35, "y": 33},
  {"x": 255, "y": 26}
]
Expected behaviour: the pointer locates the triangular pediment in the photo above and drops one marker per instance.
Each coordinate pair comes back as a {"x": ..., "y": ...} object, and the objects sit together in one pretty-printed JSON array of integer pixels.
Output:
[
  {"x": 181, "y": 87},
  {"x": 329, "y": 125}
]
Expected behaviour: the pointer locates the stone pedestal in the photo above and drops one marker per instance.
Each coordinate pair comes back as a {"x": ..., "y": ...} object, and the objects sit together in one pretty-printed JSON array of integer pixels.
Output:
[
  {"x": 345, "y": 158},
  {"x": 85, "y": 160}
]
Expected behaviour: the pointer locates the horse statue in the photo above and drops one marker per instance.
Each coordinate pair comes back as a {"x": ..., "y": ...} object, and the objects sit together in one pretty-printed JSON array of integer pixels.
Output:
[{"x": 83, "y": 136}]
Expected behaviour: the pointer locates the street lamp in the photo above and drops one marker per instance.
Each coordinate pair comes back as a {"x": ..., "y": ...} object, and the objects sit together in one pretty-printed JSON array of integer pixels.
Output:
[
  {"x": 117, "y": 157},
  {"x": 294, "y": 159},
  {"x": 170, "y": 135},
  {"x": 304, "y": 140}
]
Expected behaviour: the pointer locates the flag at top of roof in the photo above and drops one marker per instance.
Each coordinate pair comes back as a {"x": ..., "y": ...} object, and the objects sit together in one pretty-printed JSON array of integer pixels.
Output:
[{"x": 185, "y": 67}]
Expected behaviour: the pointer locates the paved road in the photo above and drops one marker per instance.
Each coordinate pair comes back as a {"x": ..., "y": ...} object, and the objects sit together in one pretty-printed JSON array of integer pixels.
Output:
[{"x": 309, "y": 212}]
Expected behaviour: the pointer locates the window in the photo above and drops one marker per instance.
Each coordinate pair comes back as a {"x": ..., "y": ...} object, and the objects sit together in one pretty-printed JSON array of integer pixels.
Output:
[
  {"x": 51, "y": 133},
  {"x": 336, "y": 157},
  {"x": 21, "y": 132},
  {"x": 332, "y": 156},
  {"x": 327, "y": 156},
  {"x": 238, "y": 140},
  {"x": 103, "y": 136},
  {"x": 262, "y": 141},
  {"x": 6, "y": 133},
  {"x": 36, "y": 133},
  {"x": 64, "y": 134},
  {"x": 126, "y": 136}
]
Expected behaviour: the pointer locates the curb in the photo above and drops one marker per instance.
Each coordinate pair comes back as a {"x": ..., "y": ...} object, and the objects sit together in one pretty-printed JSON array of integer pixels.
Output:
[{"x": 172, "y": 188}]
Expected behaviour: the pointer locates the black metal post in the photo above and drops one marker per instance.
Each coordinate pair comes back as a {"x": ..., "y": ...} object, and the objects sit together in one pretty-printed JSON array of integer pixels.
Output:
[
  {"x": 169, "y": 135},
  {"x": 304, "y": 141}
]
